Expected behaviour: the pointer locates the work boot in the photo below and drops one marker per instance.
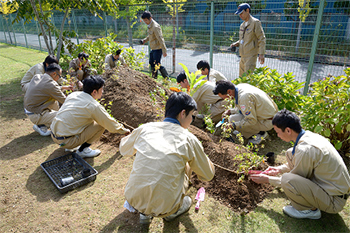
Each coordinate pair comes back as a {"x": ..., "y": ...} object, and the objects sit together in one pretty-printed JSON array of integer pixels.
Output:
[
  {"x": 163, "y": 72},
  {"x": 144, "y": 219}
]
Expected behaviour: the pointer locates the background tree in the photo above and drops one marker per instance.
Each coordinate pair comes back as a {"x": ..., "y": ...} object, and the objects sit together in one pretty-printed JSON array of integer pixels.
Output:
[{"x": 8, "y": 7}]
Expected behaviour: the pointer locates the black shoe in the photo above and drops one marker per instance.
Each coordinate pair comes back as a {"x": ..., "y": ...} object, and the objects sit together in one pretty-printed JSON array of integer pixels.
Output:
[{"x": 230, "y": 139}]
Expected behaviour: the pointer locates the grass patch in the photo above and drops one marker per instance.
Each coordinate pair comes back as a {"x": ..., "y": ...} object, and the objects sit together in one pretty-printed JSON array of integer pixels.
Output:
[{"x": 29, "y": 202}]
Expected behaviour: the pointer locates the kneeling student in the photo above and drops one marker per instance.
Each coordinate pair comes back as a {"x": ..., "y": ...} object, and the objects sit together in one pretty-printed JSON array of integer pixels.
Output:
[
  {"x": 82, "y": 120},
  {"x": 166, "y": 154}
]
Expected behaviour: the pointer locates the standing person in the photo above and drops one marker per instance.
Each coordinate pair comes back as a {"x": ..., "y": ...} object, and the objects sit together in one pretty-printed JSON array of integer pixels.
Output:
[
  {"x": 253, "y": 112},
  {"x": 111, "y": 60},
  {"x": 42, "y": 97},
  {"x": 315, "y": 176},
  {"x": 204, "y": 95},
  {"x": 166, "y": 154},
  {"x": 212, "y": 75},
  {"x": 39, "y": 68},
  {"x": 251, "y": 41},
  {"x": 79, "y": 67},
  {"x": 82, "y": 120},
  {"x": 157, "y": 44}
]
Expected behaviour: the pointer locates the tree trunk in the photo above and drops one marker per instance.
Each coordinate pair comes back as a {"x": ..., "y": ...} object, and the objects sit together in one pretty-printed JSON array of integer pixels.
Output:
[
  {"x": 60, "y": 40},
  {"x": 49, "y": 49}
]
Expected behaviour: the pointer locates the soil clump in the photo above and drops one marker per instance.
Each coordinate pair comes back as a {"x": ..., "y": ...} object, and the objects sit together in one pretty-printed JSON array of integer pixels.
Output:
[{"x": 136, "y": 99}]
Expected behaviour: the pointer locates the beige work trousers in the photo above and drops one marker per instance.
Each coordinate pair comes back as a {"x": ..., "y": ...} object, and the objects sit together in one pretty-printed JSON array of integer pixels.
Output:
[
  {"x": 305, "y": 194},
  {"x": 247, "y": 63},
  {"x": 89, "y": 135},
  {"x": 250, "y": 130},
  {"x": 46, "y": 117}
]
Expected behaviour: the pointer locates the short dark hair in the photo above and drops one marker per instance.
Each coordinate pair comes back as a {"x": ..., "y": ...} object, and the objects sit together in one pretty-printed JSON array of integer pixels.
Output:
[
  {"x": 83, "y": 55},
  {"x": 222, "y": 86},
  {"x": 51, "y": 59},
  {"x": 286, "y": 118},
  {"x": 181, "y": 77},
  {"x": 92, "y": 83},
  {"x": 146, "y": 15},
  {"x": 118, "y": 52},
  {"x": 201, "y": 65},
  {"x": 53, "y": 67},
  {"x": 177, "y": 102}
]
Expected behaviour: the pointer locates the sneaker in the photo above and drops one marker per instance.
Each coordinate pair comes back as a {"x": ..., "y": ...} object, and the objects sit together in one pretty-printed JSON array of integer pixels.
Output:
[
  {"x": 292, "y": 212},
  {"x": 72, "y": 150},
  {"x": 144, "y": 219},
  {"x": 186, "y": 204},
  {"x": 42, "y": 130},
  {"x": 256, "y": 139},
  {"x": 236, "y": 132},
  {"x": 88, "y": 152}
]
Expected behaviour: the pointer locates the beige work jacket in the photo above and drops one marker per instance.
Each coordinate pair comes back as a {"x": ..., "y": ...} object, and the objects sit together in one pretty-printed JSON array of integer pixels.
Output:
[
  {"x": 79, "y": 111},
  {"x": 316, "y": 159},
  {"x": 215, "y": 76},
  {"x": 204, "y": 95},
  {"x": 254, "y": 104},
  {"x": 155, "y": 37},
  {"x": 253, "y": 37},
  {"x": 155, "y": 185},
  {"x": 36, "y": 69},
  {"x": 110, "y": 63},
  {"x": 42, "y": 92}
]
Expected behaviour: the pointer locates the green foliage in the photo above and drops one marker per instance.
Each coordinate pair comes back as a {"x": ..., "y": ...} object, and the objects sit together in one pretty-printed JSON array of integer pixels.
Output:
[
  {"x": 284, "y": 90},
  {"x": 195, "y": 83},
  {"x": 326, "y": 110},
  {"x": 97, "y": 51}
]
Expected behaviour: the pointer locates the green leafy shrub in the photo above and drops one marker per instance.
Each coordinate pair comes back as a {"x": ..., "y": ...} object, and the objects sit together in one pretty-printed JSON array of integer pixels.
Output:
[
  {"x": 284, "y": 90},
  {"x": 326, "y": 110},
  {"x": 97, "y": 51}
]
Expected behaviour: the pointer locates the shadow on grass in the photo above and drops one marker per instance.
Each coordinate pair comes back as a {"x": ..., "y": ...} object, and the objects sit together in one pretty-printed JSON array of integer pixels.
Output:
[
  {"x": 327, "y": 223},
  {"x": 24, "y": 145},
  {"x": 11, "y": 101},
  {"x": 129, "y": 222}
]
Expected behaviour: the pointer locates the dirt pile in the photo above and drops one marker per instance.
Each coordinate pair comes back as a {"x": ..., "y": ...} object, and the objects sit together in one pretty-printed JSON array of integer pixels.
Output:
[{"x": 137, "y": 99}]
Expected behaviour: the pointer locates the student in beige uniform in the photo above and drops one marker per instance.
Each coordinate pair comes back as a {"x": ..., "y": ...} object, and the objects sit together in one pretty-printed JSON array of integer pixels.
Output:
[
  {"x": 166, "y": 154},
  {"x": 42, "y": 97},
  {"x": 252, "y": 41},
  {"x": 253, "y": 112},
  {"x": 204, "y": 95},
  {"x": 37, "y": 69},
  {"x": 80, "y": 67},
  {"x": 315, "y": 176},
  {"x": 212, "y": 75},
  {"x": 82, "y": 120},
  {"x": 157, "y": 44},
  {"x": 111, "y": 60}
]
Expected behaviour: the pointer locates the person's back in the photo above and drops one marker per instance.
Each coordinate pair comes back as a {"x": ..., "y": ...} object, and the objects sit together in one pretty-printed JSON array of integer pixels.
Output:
[
  {"x": 314, "y": 147},
  {"x": 158, "y": 174},
  {"x": 166, "y": 154}
]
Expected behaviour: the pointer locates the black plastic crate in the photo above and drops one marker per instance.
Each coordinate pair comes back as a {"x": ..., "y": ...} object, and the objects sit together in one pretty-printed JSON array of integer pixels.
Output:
[{"x": 70, "y": 165}]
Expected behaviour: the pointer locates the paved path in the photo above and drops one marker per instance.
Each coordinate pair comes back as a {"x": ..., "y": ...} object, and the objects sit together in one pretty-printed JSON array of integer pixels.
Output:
[{"x": 227, "y": 63}]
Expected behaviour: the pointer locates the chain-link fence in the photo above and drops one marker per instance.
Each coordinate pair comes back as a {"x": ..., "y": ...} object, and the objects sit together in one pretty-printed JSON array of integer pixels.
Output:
[{"x": 204, "y": 31}]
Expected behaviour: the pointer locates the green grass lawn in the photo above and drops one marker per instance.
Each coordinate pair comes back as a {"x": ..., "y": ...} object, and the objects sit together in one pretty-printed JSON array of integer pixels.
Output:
[{"x": 30, "y": 203}]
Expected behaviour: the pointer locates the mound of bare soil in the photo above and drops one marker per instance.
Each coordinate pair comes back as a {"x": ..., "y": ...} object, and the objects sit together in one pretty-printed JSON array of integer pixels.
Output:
[{"x": 130, "y": 93}]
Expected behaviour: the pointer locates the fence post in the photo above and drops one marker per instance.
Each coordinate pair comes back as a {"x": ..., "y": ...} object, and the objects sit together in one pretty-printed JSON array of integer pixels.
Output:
[
  {"x": 314, "y": 45},
  {"x": 2, "y": 22},
  {"x": 36, "y": 24},
  {"x": 13, "y": 31},
  {"x": 105, "y": 22},
  {"x": 75, "y": 25},
  {"x": 25, "y": 34},
  {"x": 211, "y": 33}
]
